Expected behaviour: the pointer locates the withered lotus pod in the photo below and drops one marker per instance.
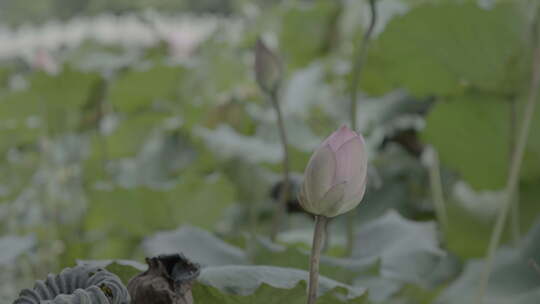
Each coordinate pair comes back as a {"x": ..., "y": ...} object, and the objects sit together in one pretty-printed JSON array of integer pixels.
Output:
[
  {"x": 78, "y": 285},
  {"x": 168, "y": 280}
]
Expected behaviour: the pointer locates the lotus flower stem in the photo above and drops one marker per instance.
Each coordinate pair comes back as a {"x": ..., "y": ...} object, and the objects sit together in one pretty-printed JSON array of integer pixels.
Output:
[
  {"x": 334, "y": 183},
  {"x": 318, "y": 240},
  {"x": 534, "y": 265},
  {"x": 358, "y": 63},
  {"x": 269, "y": 76},
  {"x": 359, "y": 58},
  {"x": 283, "y": 195},
  {"x": 515, "y": 165},
  {"x": 437, "y": 190},
  {"x": 514, "y": 218}
]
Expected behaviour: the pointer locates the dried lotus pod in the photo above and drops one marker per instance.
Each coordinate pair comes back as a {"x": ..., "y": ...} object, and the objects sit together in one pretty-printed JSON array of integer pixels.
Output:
[
  {"x": 168, "y": 280},
  {"x": 78, "y": 285}
]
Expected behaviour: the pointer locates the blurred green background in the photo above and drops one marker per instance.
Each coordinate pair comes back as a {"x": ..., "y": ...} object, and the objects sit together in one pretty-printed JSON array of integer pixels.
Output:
[{"x": 133, "y": 128}]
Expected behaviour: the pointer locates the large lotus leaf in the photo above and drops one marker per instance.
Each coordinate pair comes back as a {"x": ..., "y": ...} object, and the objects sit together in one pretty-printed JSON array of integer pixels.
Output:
[
  {"x": 307, "y": 30},
  {"x": 305, "y": 89},
  {"x": 380, "y": 289},
  {"x": 513, "y": 279},
  {"x": 50, "y": 104},
  {"x": 196, "y": 244},
  {"x": 467, "y": 235},
  {"x": 394, "y": 239},
  {"x": 249, "y": 284},
  {"x": 61, "y": 97},
  {"x": 230, "y": 144},
  {"x": 217, "y": 61},
  {"x": 67, "y": 89},
  {"x": 18, "y": 106},
  {"x": 21, "y": 119},
  {"x": 342, "y": 269},
  {"x": 5, "y": 74},
  {"x": 471, "y": 223},
  {"x": 136, "y": 89},
  {"x": 271, "y": 295},
  {"x": 472, "y": 136},
  {"x": 124, "y": 269},
  {"x": 162, "y": 156},
  {"x": 128, "y": 214},
  {"x": 442, "y": 47},
  {"x": 125, "y": 139},
  {"x": 252, "y": 181}
]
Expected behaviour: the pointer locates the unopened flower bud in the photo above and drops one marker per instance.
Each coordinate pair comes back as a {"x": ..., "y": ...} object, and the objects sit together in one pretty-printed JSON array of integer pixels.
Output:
[
  {"x": 335, "y": 177},
  {"x": 268, "y": 70}
]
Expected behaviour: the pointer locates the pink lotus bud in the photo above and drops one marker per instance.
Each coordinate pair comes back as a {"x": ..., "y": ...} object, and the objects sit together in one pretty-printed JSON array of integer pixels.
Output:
[{"x": 335, "y": 177}]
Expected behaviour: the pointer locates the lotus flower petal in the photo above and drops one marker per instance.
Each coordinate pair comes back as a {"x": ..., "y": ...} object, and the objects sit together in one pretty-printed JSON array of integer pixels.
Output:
[
  {"x": 332, "y": 199},
  {"x": 320, "y": 173},
  {"x": 335, "y": 177},
  {"x": 352, "y": 166},
  {"x": 350, "y": 203},
  {"x": 339, "y": 137}
]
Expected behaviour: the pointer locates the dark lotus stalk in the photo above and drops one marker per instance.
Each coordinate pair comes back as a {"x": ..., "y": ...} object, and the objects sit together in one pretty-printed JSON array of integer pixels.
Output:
[
  {"x": 168, "y": 280},
  {"x": 358, "y": 63},
  {"x": 269, "y": 75}
]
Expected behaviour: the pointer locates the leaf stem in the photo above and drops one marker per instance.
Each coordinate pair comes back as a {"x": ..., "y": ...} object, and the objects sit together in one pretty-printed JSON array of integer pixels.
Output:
[
  {"x": 515, "y": 168},
  {"x": 318, "y": 239},
  {"x": 358, "y": 63},
  {"x": 514, "y": 218},
  {"x": 279, "y": 213},
  {"x": 534, "y": 265},
  {"x": 437, "y": 191}
]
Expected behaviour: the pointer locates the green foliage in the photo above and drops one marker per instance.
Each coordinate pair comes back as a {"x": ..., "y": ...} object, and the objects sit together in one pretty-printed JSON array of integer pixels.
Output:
[
  {"x": 454, "y": 127},
  {"x": 139, "y": 88},
  {"x": 49, "y": 105},
  {"x": 124, "y": 269},
  {"x": 209, "y": 294},
  {"x": 246, "y": 283},
  {"x": 130, "y": 151},
  {"x": 129, "y": 136},
  {"x": 514, "y": 279},
  {"x": 428, "y": 52},
  {"x": 311, "y": 24},
  {"x": 126, "y": 209},
  {"x": 197, "y": 245},
  {"x": 342, "y": 269}
]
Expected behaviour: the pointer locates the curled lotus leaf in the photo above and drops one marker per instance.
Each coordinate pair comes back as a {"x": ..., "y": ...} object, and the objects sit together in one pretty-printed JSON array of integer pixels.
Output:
[{"x": 78, "y": 285}]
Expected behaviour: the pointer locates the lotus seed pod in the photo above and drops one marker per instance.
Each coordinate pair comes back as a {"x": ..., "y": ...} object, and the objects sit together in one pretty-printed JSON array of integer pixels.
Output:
[
  {"x": 78, "y": 285},
  {"x": 168, "y": 280},
  {"x": 335, "y": 177}
]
